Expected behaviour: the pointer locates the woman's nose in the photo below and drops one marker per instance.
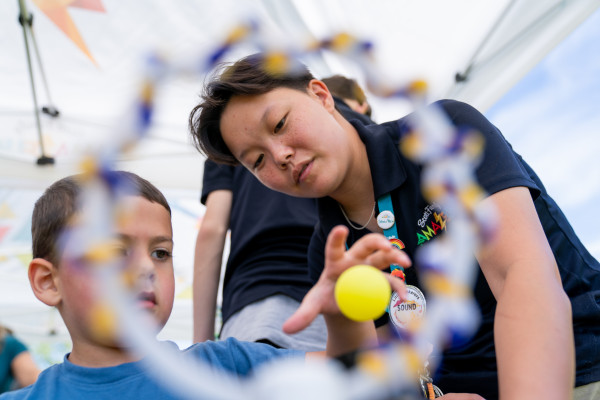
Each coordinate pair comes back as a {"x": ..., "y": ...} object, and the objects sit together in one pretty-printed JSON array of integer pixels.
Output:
[{"x": 283, "y": 154}]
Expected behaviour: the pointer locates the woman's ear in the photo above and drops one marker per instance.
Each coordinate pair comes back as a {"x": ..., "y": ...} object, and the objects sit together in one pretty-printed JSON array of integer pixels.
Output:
[
  {"x": 320, "y": 90},
  {"x": 43, "y": 281}
]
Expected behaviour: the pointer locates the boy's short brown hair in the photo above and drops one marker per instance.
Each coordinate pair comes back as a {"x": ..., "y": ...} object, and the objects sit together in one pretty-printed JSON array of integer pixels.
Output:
[
  {"x": 246, "y": 77},
  {"x": 54, "y": 209}
]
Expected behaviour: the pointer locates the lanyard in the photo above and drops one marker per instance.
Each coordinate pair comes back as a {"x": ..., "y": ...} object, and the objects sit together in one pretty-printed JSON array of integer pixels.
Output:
[{"x": 387, "y": 221}]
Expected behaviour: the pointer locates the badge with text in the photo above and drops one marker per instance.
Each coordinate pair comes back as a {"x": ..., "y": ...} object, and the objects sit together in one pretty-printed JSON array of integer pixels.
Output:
[
  {"x": 385, "y": 219},
  {"x": 405, "y": 313}
]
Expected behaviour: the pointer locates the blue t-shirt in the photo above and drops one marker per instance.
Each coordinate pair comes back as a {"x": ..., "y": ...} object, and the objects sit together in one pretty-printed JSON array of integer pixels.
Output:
[
  {"x": 132, "y": 381},
  {"x": 472, "y": 367},
  {"x": 10, "y": 347},
  {"x": 270, "y": 233}
]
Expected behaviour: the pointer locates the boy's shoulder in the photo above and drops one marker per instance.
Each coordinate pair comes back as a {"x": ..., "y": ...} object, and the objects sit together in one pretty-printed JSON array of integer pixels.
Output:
[
  {"x": 236, "y": 356},
  {"x": 66, "y": 380},
  {"x": 19, "y": 394}
]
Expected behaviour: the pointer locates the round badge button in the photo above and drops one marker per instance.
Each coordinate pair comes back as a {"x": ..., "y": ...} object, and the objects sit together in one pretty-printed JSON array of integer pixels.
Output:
[
  {"x": 405, "y": 313},
  {"x": 385, "y": 219}
]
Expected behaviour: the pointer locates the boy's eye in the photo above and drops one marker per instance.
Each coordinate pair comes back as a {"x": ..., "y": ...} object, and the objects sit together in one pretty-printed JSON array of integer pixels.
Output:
[
  {"x": 161, "y": 254},
  {"x": 258, "y": 161},
  {"x": 279, "y": 125},
  {"x": 122, "y": 251}
]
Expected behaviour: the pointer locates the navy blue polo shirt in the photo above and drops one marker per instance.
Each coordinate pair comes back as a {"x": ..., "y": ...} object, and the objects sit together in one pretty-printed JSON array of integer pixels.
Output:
[
  {"x": 349, "y": 113},
  {"x": 270, "y": 233},
  {"x": 472, "y": 366}
]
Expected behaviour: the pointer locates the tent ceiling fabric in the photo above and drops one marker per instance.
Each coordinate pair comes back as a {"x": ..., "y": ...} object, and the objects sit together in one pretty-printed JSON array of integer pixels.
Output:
[
  {"x": 523, "y": 35},
  {"x": 432, "y": 40},
  {"x": 496, "y": 42}
]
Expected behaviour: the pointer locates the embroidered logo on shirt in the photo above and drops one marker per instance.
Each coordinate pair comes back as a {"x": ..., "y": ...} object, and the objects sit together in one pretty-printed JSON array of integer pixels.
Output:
[{"x": 431, "y": 223}]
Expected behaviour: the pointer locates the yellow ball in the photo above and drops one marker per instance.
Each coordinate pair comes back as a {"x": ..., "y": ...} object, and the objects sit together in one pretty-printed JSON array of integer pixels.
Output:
[{"x": 362, "y": 293}]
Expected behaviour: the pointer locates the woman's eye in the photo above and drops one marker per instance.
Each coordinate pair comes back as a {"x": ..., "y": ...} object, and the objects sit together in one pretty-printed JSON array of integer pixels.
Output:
[
  {"x": 279, "y": 125},
  {"x": 161, "y": 254},
  {"x": 258, "y": 161}
]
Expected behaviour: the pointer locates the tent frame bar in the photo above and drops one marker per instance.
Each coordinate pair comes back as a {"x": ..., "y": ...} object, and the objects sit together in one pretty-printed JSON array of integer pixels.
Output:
[{"x": 26, "y": 21}]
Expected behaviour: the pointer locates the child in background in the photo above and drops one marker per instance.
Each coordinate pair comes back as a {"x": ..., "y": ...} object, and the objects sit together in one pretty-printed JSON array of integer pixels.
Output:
[
  {"x": 17, "y": 367},
  {"x": 99, "y": 366},
  {"x": 286, "y": 130},
  {"x": 348, "y": 95}
]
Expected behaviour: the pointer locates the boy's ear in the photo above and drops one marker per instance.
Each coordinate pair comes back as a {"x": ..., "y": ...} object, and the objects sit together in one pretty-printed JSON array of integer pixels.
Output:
[
  {"x": 320, "y": 90},
  {"x": 43, "y": 281}
]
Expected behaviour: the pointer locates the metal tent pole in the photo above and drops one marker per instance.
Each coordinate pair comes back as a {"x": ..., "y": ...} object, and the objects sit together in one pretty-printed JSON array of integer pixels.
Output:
[{"x": 26, "y": 21}]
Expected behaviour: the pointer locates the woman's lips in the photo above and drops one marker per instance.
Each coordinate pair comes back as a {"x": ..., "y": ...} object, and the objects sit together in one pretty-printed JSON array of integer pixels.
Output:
[{"x": 304, "y": 172}]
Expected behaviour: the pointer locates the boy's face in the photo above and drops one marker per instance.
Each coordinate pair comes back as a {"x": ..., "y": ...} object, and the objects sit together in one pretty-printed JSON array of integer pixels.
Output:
[
  {"x": 145, "y": 240},
  {"x": 289, "y": 139}
]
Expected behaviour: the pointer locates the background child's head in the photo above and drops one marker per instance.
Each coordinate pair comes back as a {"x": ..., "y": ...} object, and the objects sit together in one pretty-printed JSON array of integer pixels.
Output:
[
  {"x": 55, "y": 208},
  {"x": 350, "y": 91},
  {"x": 249, "y": 76},
  {"x": 5, "y": 331}
]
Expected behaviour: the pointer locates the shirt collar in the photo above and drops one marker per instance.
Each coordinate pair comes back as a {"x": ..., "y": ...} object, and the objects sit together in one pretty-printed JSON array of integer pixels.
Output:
[
  {"x": 385, "y": 160},
  {"x": 112, "y": 374}
]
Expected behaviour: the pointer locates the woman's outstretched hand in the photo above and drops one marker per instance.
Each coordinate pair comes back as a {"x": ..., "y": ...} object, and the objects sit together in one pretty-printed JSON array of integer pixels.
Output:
[{"x": 373, "y": 249}]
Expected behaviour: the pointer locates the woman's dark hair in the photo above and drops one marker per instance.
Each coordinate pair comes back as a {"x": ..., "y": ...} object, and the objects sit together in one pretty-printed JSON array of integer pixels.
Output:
[{"x": 253, "y": 75}]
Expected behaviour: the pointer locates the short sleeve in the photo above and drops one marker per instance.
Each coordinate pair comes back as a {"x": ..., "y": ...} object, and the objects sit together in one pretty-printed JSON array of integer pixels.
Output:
[
  {"x": 13, "y": 346},
  {"x": 500, "y": 168},
  {"x": 216, "y": 177}
]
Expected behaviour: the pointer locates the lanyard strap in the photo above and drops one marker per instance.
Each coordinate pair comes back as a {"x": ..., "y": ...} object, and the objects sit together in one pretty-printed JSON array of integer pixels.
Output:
[{"x": 384, "y": 203}]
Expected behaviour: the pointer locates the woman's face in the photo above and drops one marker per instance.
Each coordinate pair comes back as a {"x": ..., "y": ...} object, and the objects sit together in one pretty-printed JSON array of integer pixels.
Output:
[{"x": 289, "y": 139}]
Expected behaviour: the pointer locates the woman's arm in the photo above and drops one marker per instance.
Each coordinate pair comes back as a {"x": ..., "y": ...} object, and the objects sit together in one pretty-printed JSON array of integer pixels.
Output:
[{"x": 532, "y": 327}]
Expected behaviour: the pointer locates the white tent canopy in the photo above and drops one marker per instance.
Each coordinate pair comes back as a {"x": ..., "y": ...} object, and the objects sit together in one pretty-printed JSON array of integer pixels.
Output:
[
  {"x": 491, "y": 45},
  {"x": 495, "y": 43}
]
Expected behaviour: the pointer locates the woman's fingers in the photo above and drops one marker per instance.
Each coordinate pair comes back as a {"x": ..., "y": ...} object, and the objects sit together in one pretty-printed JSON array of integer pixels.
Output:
[
  {"x": 335, "y": 247},
  {"x": 397, "y": 285},
  {"x": 308, "y": 310},
  {"x": 384, "y": 257}
]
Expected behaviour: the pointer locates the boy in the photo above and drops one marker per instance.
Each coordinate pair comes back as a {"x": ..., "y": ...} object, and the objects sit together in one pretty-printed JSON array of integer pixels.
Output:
[
  {"x": 101, "y": 367},
  {"x": 286, "y": 130}
]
